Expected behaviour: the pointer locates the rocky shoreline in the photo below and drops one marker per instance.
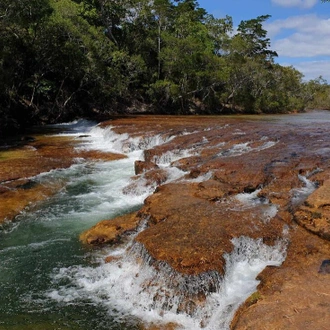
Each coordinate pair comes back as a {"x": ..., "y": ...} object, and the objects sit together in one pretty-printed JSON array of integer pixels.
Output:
[{"x": 261, "y": 179}]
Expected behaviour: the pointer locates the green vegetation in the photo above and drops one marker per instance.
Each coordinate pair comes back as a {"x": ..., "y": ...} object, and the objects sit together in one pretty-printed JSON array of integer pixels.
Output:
[
  {"x": 254, "y": 298},
  {"x": 61, "y": 59}
]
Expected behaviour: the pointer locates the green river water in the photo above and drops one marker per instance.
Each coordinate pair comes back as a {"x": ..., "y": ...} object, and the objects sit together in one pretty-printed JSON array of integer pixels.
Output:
[{"x": 43, "y": 266}]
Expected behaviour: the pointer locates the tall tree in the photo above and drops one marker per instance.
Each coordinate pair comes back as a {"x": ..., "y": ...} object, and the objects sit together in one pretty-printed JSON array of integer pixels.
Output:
[
  {"x": 254, "y": 38},
  {"x": 66, "y": 58},
  {"x": 21, "y": 23}
]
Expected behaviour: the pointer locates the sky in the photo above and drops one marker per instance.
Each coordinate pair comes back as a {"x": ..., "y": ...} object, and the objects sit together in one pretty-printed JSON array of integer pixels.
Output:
[{"x": 299, "y": 30}]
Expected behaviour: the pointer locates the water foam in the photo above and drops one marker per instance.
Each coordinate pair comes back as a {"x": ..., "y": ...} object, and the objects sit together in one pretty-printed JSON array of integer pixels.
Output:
[
  {"x": 171, "y": 156},
  {"x": 107, "y": 140},
  {"x": 202, "y": 177},
  {"x": 244, "y": 148},
  {"x": 143, "y": 186},
  {"x": 250, "y": 200},
  {"x": 131, "y": 286},
  {"x": 300, "y": 194}
]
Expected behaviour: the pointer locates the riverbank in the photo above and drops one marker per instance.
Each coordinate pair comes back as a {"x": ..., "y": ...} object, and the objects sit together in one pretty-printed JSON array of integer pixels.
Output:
[{"x": 262, "y": 178}]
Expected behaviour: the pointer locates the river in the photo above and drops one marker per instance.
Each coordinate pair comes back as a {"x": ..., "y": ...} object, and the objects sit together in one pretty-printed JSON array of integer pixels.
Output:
[{"x": 49, "y": 280}]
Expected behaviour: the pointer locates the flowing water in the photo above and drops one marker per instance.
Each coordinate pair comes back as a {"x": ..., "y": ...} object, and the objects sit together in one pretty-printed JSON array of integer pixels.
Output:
[{"x": 48, "y": 280}]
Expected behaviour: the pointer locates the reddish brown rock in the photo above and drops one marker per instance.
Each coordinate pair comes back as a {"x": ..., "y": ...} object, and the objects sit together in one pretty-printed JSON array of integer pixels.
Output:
[
  {"x": 314, "y": 214},
  {"x": 111, "y": 231},
  {"x": 191, "y": 233},
  {"x": 13, "y": 201},
  {"x": 191, "y": 223},
  {"x": 99, "y": 155},
  {"x": 168, "y": 326},
  {"x": 189, "y": 226},
  {"x": 109, "y": 259},
  {"x": 143, "y": 166},
  {"x": 213, "y": 190},
  {"x": 186, "y": 164},
  {"x": 294, "y": 295}
]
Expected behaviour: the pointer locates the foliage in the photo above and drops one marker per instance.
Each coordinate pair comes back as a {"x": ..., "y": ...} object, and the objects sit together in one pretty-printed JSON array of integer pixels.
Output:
[{"x": 61, "y": 59}]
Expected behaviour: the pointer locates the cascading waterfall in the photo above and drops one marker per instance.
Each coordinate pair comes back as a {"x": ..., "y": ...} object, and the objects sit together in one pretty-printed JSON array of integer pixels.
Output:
[
  {"x": 131, "y": 285},
  {"x": 171, "y": 156},
  {"x": 105, "y": 139},
  {"x": 130, "y": 289}
]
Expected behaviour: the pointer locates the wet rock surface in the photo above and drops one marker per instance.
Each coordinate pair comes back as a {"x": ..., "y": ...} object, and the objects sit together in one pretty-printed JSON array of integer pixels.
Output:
[
  {"x": 243, "y": 177},
  {"x": 256, "y": 177},
  {"x": 294, "y": 295},
  {"x": 314, "y": 214},
  {"x": 191, "y": 232},
  {"x": 111, "y": 231}
]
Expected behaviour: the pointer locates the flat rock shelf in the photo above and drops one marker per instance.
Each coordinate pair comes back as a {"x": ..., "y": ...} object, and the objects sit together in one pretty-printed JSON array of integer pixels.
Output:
[{"x": 160, "y": 222}]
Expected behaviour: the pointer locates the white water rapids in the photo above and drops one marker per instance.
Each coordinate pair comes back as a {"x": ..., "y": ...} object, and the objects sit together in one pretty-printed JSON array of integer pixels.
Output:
[
  {"x": 130, "y": 287},
  {"x": 48, "y": 280}
]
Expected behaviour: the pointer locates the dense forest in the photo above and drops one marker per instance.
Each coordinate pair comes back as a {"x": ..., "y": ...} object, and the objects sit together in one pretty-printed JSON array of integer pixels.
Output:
[{"x": 61, "y": 59}]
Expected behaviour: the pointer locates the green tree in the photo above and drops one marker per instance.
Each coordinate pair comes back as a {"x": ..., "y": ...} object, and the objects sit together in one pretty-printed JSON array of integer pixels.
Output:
[
  {"x": 316, "y": 93},
  {"x": 250, "y": 65},
  {"x": 21, "y": 23},
  {"x": 255, "y": 41},
  {"x": 65, "y": 58},
  {"x": 188, "y": 61}
]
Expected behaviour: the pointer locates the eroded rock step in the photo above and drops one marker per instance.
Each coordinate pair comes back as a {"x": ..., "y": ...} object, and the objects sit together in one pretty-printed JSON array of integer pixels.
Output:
[{"x": 191, "y": 223}]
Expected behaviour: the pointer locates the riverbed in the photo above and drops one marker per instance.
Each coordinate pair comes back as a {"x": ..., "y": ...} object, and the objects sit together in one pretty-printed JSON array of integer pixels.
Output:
[{"x": 50, "y": 280}]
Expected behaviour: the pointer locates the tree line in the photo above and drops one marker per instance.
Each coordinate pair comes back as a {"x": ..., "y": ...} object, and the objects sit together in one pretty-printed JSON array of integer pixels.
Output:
[{"x": 61, "y": 59}]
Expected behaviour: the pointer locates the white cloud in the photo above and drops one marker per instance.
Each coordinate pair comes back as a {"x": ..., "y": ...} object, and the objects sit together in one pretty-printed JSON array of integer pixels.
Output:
[
  {"x": 305, "y": 4},
  {"x": 314, "y": 69},
  {"x": 306, "y": 36}
]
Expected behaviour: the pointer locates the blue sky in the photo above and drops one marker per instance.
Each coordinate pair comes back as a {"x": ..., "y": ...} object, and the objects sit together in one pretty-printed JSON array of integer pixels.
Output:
[{"x": 299, "y": 29}]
